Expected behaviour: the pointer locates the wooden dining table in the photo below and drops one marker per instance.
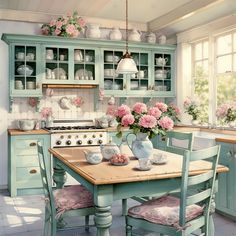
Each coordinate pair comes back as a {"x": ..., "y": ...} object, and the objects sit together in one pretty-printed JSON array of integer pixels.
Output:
[{"x": 108, "y": 182}]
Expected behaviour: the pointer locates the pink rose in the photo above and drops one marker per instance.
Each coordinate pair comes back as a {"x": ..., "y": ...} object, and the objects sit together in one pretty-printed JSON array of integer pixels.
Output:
[
  {"x": 148, "y": 121},
  {"x": 59, "y": 24},
  {"x": 161, "y": 106},
  {"x": 154, "y": 111},
  {"x": 52, "y": 23},
  {"x": 111, "y": 110},
  {"x": 187, "y": 102},
  {"x": 70, "y": 29},
  {"x": 57, "y": 32},
  {"x": 81, "y": 22},
  {"x": 46, "y": 112},
  {"x": 166, "y": 123},
  {"x": 75, "y": 33},
  {"x": 127, "y": 120},
  {"x": 123, "y": 110},
  {"x": 140, "y": 107}
]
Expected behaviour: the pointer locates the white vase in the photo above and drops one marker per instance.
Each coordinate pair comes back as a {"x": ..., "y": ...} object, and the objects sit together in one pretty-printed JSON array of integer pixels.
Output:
[{"x": 93, "y": 31}]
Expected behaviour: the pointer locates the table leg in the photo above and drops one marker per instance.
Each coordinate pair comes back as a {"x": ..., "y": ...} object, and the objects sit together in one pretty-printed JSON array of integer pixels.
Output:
[
  {"x": 103, "y": 220},
  {"x": 59, "y": 176}
]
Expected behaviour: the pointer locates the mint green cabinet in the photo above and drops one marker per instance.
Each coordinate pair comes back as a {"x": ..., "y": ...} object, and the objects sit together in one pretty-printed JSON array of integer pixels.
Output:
[
  {"x": 23, "y": 167},
  {"x": 226, "y": 195}
]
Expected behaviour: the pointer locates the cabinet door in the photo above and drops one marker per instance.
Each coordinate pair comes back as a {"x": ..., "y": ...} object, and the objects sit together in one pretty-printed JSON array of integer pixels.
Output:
[
  {"x": 141, "y": 82},
  {"x": 25, "y": 74},
  {"x": 56, "y": 64},
  {"x": 225, "y": 197},
  {"x": 163, "y": 72}
]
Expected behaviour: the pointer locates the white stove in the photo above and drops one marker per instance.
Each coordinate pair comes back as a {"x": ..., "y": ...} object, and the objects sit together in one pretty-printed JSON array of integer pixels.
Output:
[{"x": 75, "y": 133}]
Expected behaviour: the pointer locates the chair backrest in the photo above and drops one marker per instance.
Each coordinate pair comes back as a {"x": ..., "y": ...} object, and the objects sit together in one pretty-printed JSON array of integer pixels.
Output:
[
  {"x": 179, "y": 140},
  {"x": 199, "y": 188},
  {"x": 46, "y": 179}
]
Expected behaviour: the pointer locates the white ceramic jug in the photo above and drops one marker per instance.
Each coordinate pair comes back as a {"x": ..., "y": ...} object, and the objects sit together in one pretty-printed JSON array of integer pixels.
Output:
[
  {"x": 162, "y": 39},
  {"x": 93, "y": 31},
  {"x": 115, "y": 34},
  {"x": 135, "y": 35},
  {"x": 151, "y": 37}
]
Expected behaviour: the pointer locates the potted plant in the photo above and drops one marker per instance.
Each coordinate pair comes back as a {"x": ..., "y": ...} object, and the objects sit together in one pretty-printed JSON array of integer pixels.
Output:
[{"x": 192, "y": 108}]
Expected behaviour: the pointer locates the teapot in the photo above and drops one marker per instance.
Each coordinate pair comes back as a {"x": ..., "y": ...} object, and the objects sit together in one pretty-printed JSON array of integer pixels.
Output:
[
  {"x": 93, "y": 157},
  {"x": 135, "y": 35},
  {"x": 160, "y": 61},
  {"x": 109, "y": 149},
  {"x": 115, "y": 34}
]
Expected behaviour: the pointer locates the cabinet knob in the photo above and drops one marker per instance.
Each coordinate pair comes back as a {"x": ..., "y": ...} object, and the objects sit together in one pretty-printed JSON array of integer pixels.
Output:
[
  {"x": 33, "y": 171},
  {"x": 32, "y": 144}
]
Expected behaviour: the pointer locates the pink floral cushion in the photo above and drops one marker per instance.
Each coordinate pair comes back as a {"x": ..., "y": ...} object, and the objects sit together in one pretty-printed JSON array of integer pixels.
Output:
[
  {"x": 164, "y": 210},
  {"x": 72, "y": 197}
]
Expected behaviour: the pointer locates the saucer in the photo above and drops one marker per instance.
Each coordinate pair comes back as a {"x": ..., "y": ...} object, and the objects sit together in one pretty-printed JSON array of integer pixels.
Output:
[
  {"x": 158, "y": 162},
  {"x": 143, "y": 169}
]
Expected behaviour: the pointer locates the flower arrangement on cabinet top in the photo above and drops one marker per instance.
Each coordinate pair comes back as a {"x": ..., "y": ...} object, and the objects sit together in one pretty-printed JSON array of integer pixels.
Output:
[
  {"x": 192, "y": 108},
  {"x": 227, "y": 112},
  {"x": 140, "y": 118},
  {"x": 65, "y": 26}
]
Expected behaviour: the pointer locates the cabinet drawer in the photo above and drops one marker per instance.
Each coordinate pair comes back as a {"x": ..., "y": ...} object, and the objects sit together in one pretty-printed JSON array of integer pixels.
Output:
[
  {"x": 25, "y": 147},
  {"x": 26, "y": 160},
  {"x": 28, "y": 177}
]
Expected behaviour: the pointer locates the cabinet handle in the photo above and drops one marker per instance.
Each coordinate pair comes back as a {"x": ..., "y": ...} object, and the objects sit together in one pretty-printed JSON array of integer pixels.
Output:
[
  {"x": 32, "y": 144},
  {"x": 124, "y": 87},
  {"x": 33, "y": 171}
]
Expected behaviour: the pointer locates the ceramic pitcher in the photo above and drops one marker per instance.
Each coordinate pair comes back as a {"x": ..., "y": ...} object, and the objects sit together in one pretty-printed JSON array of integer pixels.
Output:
[
  {"x": 115, "y": 34},
  {"x": 93, "y": 31},
  {"x": 141, "y": 146}
]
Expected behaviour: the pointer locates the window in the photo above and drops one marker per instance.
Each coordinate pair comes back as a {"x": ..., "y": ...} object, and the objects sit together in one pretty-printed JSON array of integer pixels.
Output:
[
  {"x": 214, "y": 72},
  {"x": 225, "y": 60},
  {"x": 200, "y": 76}
]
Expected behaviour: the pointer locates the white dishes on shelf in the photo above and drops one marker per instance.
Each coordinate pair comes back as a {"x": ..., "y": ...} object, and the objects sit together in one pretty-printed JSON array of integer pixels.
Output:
[
  {"x": 25, "y": 70},
  {"x": 110, "y": 73},
  {"x": 160, "y": 74},
  {"x": 59, "y": 73},
  {"x": 108, "y": 84},
  {"x": 111, "y": 58},
  {"x": 83, "y": 74},
  {"x": 19, "y": 85},
  {"x": 30, "y": 85},
  {"x": 134, "y": 85},
  {"x": 160, "y": 88}
]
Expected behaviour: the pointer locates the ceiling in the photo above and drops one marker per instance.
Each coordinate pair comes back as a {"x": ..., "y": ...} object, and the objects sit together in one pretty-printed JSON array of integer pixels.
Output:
[{"x": 165, "y": 16}]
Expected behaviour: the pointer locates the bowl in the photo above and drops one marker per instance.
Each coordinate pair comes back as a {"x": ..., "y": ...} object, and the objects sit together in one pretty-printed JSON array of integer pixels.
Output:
[
  {"x": 25, "y": 70},
  {"x": 26, "y": 124}
]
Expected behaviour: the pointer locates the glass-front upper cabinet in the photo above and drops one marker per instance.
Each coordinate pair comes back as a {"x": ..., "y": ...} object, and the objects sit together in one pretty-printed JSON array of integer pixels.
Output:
[
  {"x": 56, "y": 64},
  {"x": 163, "y": 72},
  {"x": 113, "y": 83},
  {"x": 69, "y": 65},
  {"x": 25, "y": 71},
  {"x": 85, "y": 66}
]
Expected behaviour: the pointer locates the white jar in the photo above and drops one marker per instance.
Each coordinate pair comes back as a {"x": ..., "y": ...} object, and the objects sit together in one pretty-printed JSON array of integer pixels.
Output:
[
  {"x": 151, "y": 38},
  {"x": 162, "y": 39},
  {"x": 135, "y": 35},
  {"x": 115, "y": 34},
  {"x": 93, "y": 31}
]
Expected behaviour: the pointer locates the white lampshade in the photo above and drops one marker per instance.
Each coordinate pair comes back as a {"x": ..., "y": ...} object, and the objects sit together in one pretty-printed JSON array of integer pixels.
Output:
[{"x": 126, "y": 66}]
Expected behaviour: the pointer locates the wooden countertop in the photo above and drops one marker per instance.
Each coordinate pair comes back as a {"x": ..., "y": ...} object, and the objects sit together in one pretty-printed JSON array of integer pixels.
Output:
[{"x": 20, "y": 132}]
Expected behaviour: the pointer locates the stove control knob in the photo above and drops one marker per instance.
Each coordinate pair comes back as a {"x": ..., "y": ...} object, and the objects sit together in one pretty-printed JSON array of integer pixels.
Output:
[
  {"x": 90, "y": 141},
  {"x": 85, "y": 136},
  {"x": 58, "y": 142},
  {"x": 100, "y": 135},
  {"x": 68, "y": 142},
  {"x": 62, "y": 136},
  {"x": 94, "y": 136},
  {"x": 69, "y": 136},
  {"x": 100, "y": 141},
  {"x": 79, "y": 142}
]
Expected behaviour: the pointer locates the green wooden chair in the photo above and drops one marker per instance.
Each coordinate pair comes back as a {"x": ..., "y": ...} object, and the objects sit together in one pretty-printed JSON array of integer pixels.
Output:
[
  {"x": 180, "y": 216},
  {"x": 173, "y": 139},
  {"x": 61, "y": 204}
]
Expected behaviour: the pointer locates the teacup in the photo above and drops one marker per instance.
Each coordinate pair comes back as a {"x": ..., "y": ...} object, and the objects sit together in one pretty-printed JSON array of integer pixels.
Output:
[
  {"x": 30, "y": 56},
  {"x": 159, "y": 158},
  {"x": 20, "y": 55},
  {"x": 144, "y": 163}
]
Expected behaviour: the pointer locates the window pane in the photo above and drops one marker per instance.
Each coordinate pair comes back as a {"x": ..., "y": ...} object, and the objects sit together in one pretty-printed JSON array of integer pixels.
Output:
[
  {"x": 224, "y": 64},
  {"x": 226, "y": 87},
  {"x": 224, "y": 44},
  {"x": 234, "y": 42},
  {"x": 198, "y": 51},
  {"x": 205, "y": 67},
  {"x": 234, "y": 65},
  {"x": 198, "y": 68},
  {"x": 205, "y": 50}
]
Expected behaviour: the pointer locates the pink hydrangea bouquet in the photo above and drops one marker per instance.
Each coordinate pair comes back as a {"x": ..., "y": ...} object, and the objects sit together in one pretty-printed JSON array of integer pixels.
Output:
[
  {"x": 192, "y": 107},
  {"x": 226, "y": 112},
  {"x": 46, "y": 112},
  {"x": 153, "y": 120},
  {"x": 65, "y": 26}
]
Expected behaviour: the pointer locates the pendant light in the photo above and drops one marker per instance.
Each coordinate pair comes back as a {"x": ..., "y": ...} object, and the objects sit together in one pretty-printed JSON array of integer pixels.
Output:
[{"x": 126, "y": 65}]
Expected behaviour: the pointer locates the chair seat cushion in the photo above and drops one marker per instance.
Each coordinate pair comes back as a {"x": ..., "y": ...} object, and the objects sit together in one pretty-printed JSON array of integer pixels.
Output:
[
  {"x": 72, "y": 197},
  {"x": 164, "y": 210}
]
